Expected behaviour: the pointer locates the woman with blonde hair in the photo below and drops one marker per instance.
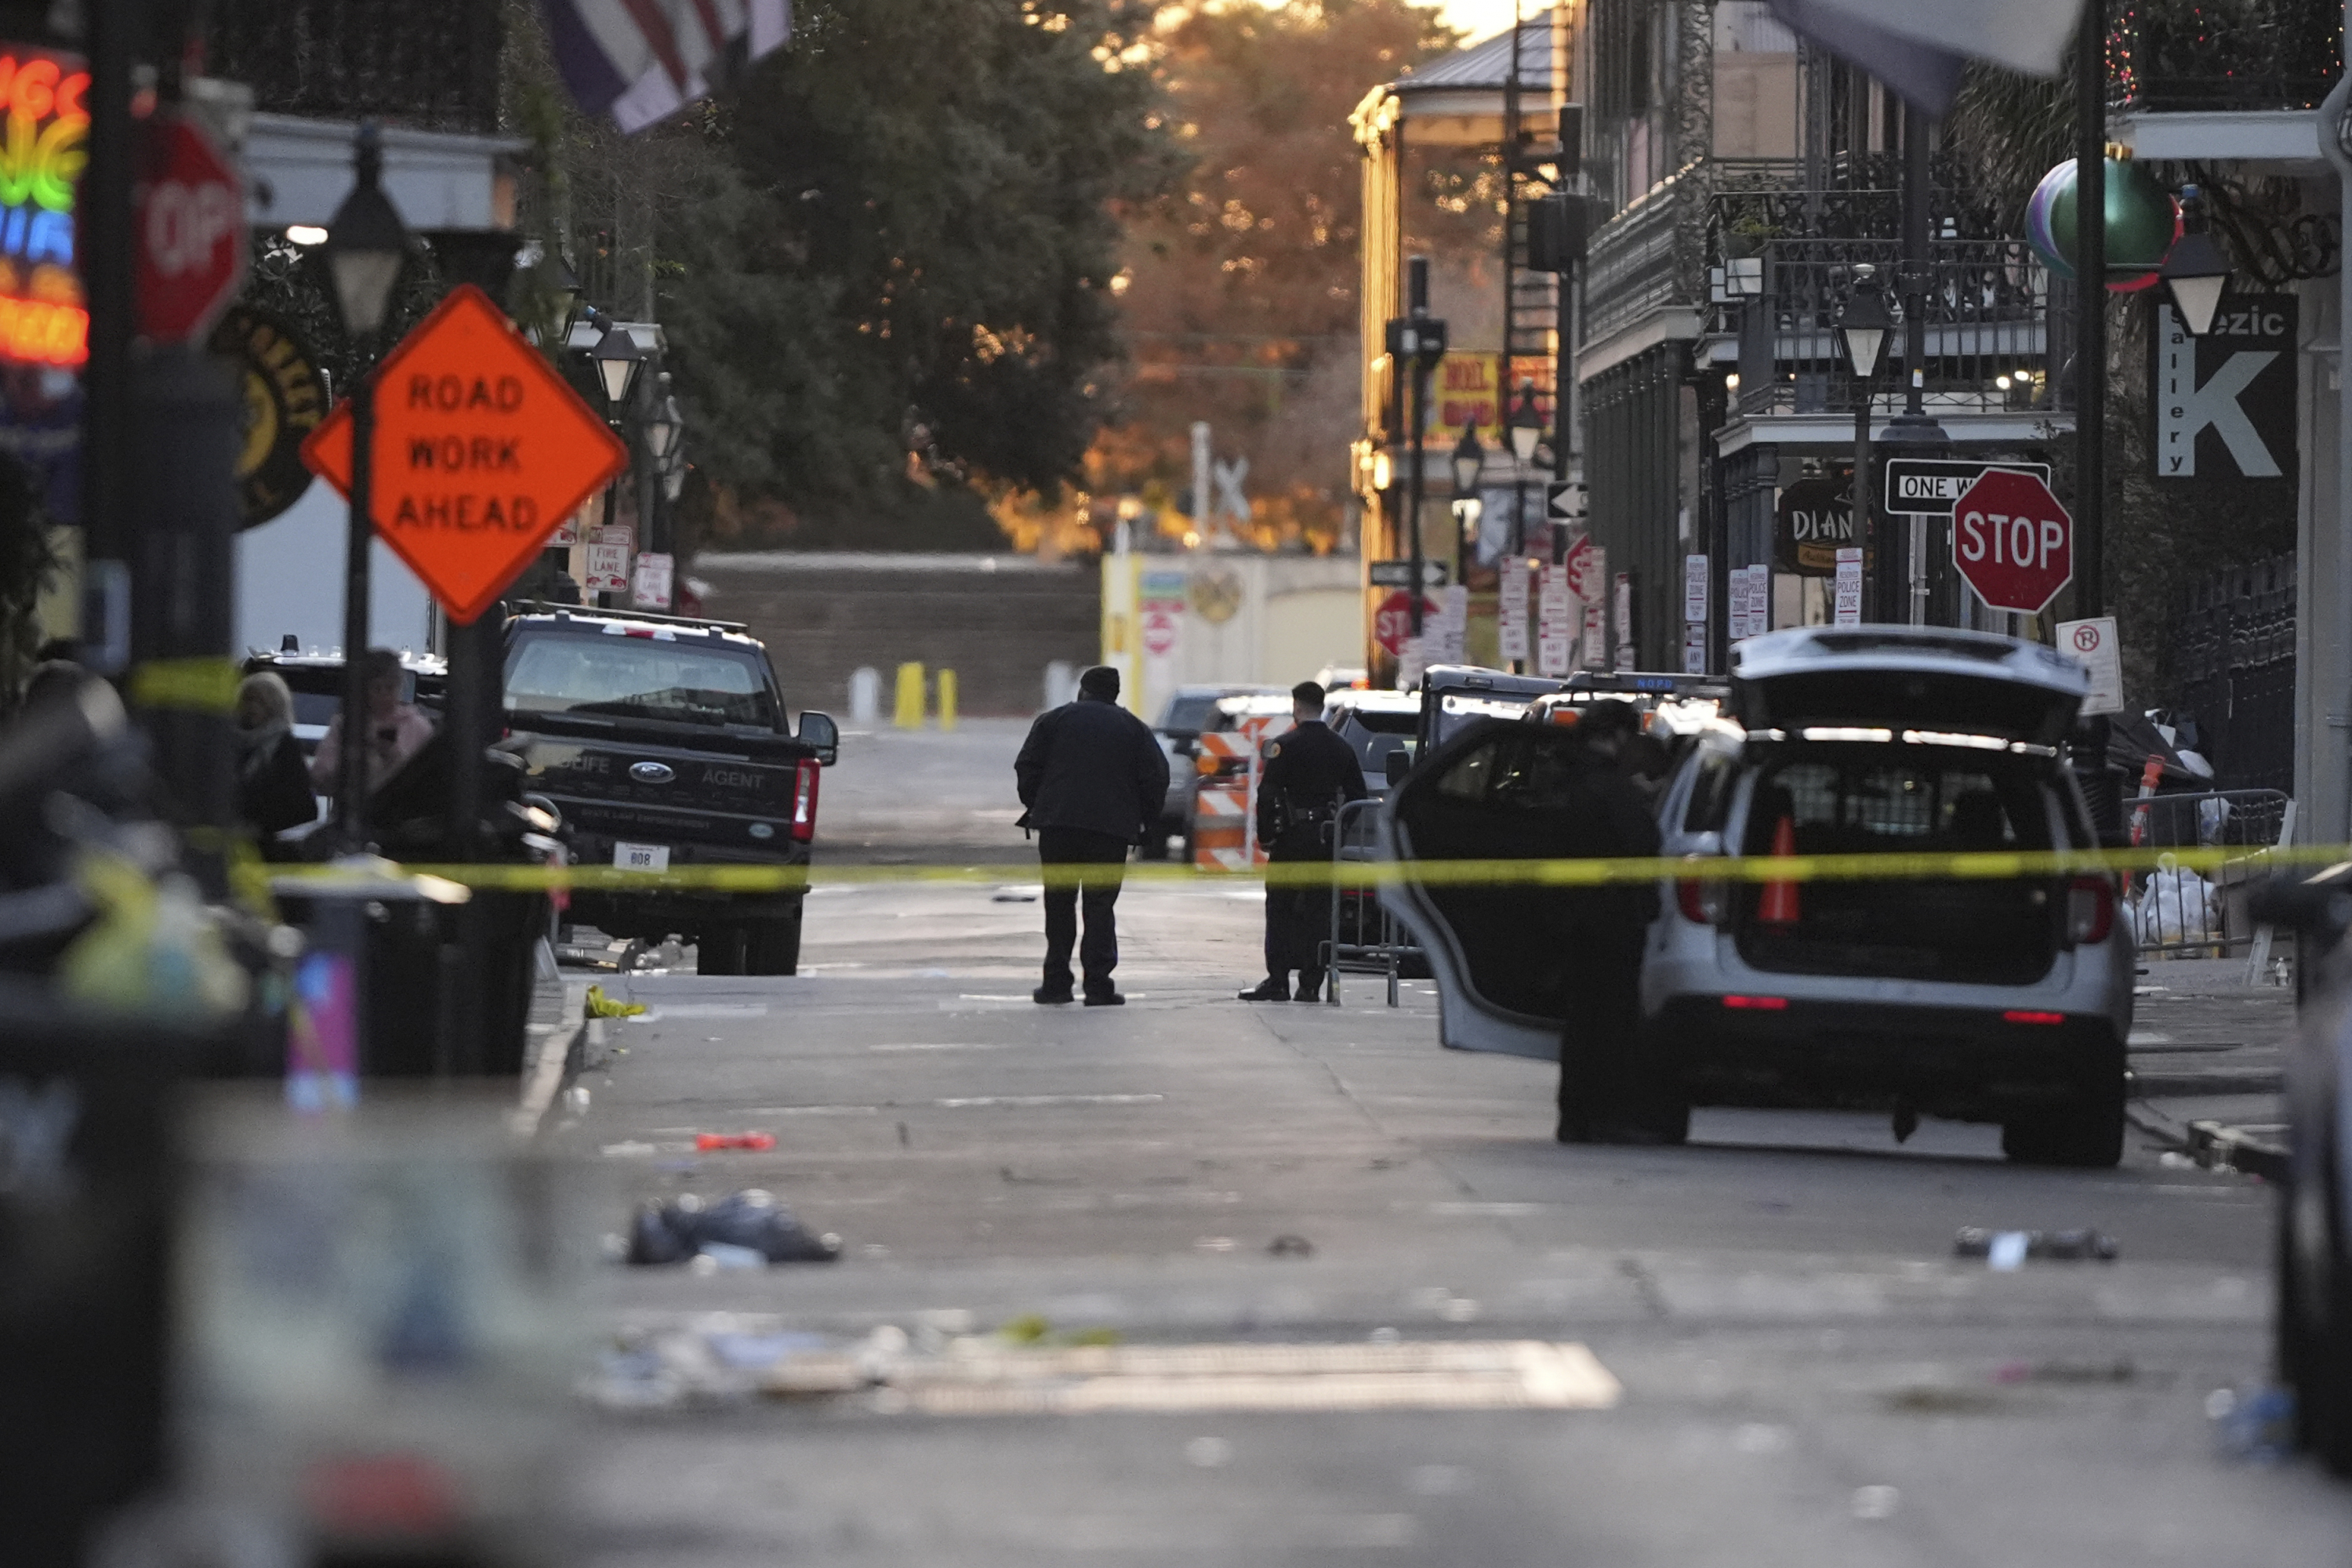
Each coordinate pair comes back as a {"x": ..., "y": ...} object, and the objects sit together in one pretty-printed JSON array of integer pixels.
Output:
[{"x": 273, "y": 784}]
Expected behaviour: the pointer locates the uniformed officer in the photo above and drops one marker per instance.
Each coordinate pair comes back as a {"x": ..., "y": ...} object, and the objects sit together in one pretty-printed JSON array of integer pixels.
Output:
[
  {"x": 1613, "y": 1087},
  {"x": 1309, "y": 772}
]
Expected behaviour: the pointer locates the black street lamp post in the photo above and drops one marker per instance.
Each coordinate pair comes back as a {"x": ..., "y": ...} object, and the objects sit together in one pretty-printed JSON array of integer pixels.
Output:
[
  {"x": 1527, "y": 434},
  {"x": 1418, "y": 340},
  {"x": 365, "y": 249},
  {"x": 618, "y": 358},
  {"x": 1863, "y": 327},
  {"x": 1469, "y": 462}
]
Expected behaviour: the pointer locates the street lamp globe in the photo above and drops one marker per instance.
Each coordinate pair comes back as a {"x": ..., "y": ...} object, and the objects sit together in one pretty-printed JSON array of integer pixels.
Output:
[
  {"x": 1527, "y": 429},
  {"x": 1864, "y": 323},
  {"x": 1469, "y": 458},
  {"x": 2197, "y": 273},
  {"x": 367, "y": 245},
  {"x": 618, "y": 360},
  {"x": 662, "y": 432}
]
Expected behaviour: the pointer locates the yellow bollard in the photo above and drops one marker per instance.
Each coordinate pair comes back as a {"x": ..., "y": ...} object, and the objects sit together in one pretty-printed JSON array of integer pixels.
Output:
[
  {"x": 947, "y": 701},
  {"x": 910, "y": 697}
]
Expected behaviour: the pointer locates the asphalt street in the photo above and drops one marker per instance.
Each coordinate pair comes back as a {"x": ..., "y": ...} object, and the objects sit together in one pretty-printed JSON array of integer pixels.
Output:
[{"x": 1792, "y": 1364}]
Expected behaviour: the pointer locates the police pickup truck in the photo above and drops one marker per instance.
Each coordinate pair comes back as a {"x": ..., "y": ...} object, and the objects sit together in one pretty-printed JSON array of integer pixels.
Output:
[{"x": 662, "y": 741}]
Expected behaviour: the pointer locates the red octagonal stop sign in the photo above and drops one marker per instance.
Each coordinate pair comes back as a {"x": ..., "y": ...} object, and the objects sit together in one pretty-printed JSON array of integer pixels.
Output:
[
  {"x": 1392, "y": 619},
  {"x": 189, "y": 232},
  {"x": 2013, "y": 541}
]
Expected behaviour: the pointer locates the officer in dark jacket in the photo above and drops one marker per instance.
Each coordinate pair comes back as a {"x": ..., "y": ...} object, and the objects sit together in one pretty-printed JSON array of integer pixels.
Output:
[
  {"x": 1612, "y": 1086},
  {"x": 1309, "y": 772},
  {"x": 1094, "y": 780}
]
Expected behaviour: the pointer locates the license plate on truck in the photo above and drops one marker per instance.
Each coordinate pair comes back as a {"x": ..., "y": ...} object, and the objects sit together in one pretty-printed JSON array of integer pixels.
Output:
[{"x": 641, "y": 857}]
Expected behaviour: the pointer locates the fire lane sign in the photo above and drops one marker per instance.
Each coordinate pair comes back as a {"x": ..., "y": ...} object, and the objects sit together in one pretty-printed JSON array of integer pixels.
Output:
[{"x": 480, "y": 452}]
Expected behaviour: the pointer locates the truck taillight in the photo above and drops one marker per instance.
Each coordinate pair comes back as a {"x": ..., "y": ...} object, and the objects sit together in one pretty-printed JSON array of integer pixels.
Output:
[
  {"x": 2090, "y": 910},
  {"x": 1701, "y": 903},
  {"x": 805, "y": 800}
]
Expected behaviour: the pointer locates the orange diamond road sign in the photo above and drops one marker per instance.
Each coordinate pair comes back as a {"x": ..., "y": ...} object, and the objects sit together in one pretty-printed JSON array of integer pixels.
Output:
[{"x": 480, "y": 450}]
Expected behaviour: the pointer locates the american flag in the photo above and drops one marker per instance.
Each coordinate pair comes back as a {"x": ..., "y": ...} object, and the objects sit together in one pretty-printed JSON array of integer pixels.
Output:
[{"x": 643, "y": 60}]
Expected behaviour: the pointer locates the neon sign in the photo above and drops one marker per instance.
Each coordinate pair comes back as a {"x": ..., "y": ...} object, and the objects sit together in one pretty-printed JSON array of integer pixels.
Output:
[{"x": 43, "y": 317}]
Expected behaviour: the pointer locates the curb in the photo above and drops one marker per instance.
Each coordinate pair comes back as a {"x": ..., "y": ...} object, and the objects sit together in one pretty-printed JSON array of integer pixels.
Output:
[{"x": 2189, "y": 1084}]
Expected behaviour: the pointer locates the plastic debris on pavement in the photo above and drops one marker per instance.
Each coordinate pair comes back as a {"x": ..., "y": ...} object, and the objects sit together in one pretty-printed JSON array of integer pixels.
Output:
[
  {"x": 705, "y": 1143},
  {"x": 2008, "y": 1250},
  {"x": 602, "y": 1007},
  {"x": 744, "y": 1229},
  {"x": 2254, "y": 1423}
]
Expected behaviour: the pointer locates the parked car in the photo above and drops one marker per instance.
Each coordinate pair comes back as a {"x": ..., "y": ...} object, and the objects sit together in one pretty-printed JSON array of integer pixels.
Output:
[
  {"x": 2314, "y": 1254},
  {"x": 2004, "y": 1001},
  {"x": 1191, "y": 710},
  {"x": 663, "y": 741},
  {"x": 1375, "y": 724},
  {"x": 316, "y": 680}
]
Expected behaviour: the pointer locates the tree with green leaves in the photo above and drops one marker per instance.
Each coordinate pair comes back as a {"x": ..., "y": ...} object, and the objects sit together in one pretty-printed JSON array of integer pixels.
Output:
[{"x": 883, "y": 259}]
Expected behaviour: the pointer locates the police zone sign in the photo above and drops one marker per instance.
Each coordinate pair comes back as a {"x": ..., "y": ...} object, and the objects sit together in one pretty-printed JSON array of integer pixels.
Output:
[{"x": 2225, "y": 401}]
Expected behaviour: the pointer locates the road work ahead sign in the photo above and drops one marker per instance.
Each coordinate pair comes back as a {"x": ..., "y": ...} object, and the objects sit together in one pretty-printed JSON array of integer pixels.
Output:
[
  {"x": 480, "y": 450},
  {"x": 2225, "y": 401}
]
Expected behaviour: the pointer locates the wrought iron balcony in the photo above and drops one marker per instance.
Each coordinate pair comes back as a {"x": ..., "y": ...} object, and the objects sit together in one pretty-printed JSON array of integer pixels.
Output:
[
  {"x": 1998, "y": 326},
  {"x": 432, "y": 64},
  {"x": 2174, "y": 55}
]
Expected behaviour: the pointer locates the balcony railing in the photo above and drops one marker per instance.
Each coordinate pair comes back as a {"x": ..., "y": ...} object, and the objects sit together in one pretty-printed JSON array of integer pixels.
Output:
[
  {"x": 432, "y": 64},
  {"x": 1646, "y": 259},
  {"x": 2170, "y": 55},
  {"x": 1999, "y": 325}
]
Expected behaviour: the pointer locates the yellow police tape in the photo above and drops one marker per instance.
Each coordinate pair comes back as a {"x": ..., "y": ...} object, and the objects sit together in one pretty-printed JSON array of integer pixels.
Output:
[{"x": 1971, "y": 865}]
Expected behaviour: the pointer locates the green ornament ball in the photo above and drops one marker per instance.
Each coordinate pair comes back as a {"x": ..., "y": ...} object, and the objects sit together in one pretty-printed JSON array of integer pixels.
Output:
[{"x": 2142, "y": 222}]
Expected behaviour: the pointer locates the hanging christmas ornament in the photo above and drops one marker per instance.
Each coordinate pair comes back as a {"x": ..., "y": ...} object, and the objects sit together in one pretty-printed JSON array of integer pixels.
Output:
[{"x": 2143, "y": 221}]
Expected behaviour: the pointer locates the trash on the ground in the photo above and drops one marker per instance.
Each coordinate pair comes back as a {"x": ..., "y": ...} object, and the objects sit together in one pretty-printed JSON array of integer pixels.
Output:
[
  {"x": 714, "y": 1256},
  {"x": 751, "y": 1222},
  {"x": 2008, "y": 1248},
  {"x": 703, "y": 1142},
  {"x": 2172, "y": 906},
  {"x": 1032, "y": 1329},
  {"x": 602, "y": 1007},
  {"x": 629, "y": 1149},
  {"x": 2121, "y": 1370},
  {"x": 1290, "y": 1246},
  {"x": 575, "y": 1101},
  {"x": 2254, "y": 1423},
  {"x": 1016, "y": 895}
]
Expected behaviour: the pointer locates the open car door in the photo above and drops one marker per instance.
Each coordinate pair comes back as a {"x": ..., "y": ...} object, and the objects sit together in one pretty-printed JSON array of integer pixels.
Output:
[{"x": 1496, "y": 792}]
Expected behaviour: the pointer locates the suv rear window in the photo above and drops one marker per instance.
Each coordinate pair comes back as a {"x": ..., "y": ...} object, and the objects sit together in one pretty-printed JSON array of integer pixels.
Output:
[
  {"x": 1866, "y": 801},
  {"x": 624, "y": 677}
]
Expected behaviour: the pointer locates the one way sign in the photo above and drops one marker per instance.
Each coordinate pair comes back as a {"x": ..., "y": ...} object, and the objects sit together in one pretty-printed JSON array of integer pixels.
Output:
[
  {"x": 2225, "y": 401},
  {"x": 1564, "y": 501}
]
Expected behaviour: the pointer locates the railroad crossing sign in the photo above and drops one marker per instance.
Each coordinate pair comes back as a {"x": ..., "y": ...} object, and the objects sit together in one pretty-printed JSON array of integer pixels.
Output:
[
  {"x": 1393, "y": 620},
  {"x": 481, "y": 451},
  {"x": 2013, "y": 541},
  {"x": 189, "y": 225}
]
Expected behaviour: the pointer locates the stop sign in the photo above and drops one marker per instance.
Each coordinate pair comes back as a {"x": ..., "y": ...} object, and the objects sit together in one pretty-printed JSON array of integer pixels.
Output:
[
  {"x": 188, "y": 230},
  {"x": 2013, "y": 541},
  {"x": 1393, "y": 620}
]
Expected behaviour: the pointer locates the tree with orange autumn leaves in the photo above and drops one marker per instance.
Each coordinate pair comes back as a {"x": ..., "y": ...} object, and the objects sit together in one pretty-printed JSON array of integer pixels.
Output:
[{"x": 1238, "y": 296}]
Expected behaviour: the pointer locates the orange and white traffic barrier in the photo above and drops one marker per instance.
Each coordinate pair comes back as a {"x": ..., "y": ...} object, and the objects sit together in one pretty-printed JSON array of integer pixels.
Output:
[{"x": 1221, "y": 811}]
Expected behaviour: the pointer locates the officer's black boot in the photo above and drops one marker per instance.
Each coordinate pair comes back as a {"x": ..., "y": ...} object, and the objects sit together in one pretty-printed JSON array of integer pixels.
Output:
[
  {"x": 1310, "y": 986},
  {"x": 1272, "y": 988}
]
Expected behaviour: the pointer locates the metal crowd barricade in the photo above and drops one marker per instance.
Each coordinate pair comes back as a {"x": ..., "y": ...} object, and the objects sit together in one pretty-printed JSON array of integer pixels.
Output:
[
  {"x": 2177, "y": 912},
  {"x": 1378, "y": 946}
]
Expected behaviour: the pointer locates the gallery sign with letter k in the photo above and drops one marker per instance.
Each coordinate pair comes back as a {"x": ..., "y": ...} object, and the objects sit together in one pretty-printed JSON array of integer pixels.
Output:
[{"x": 2227, "y": 397}]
